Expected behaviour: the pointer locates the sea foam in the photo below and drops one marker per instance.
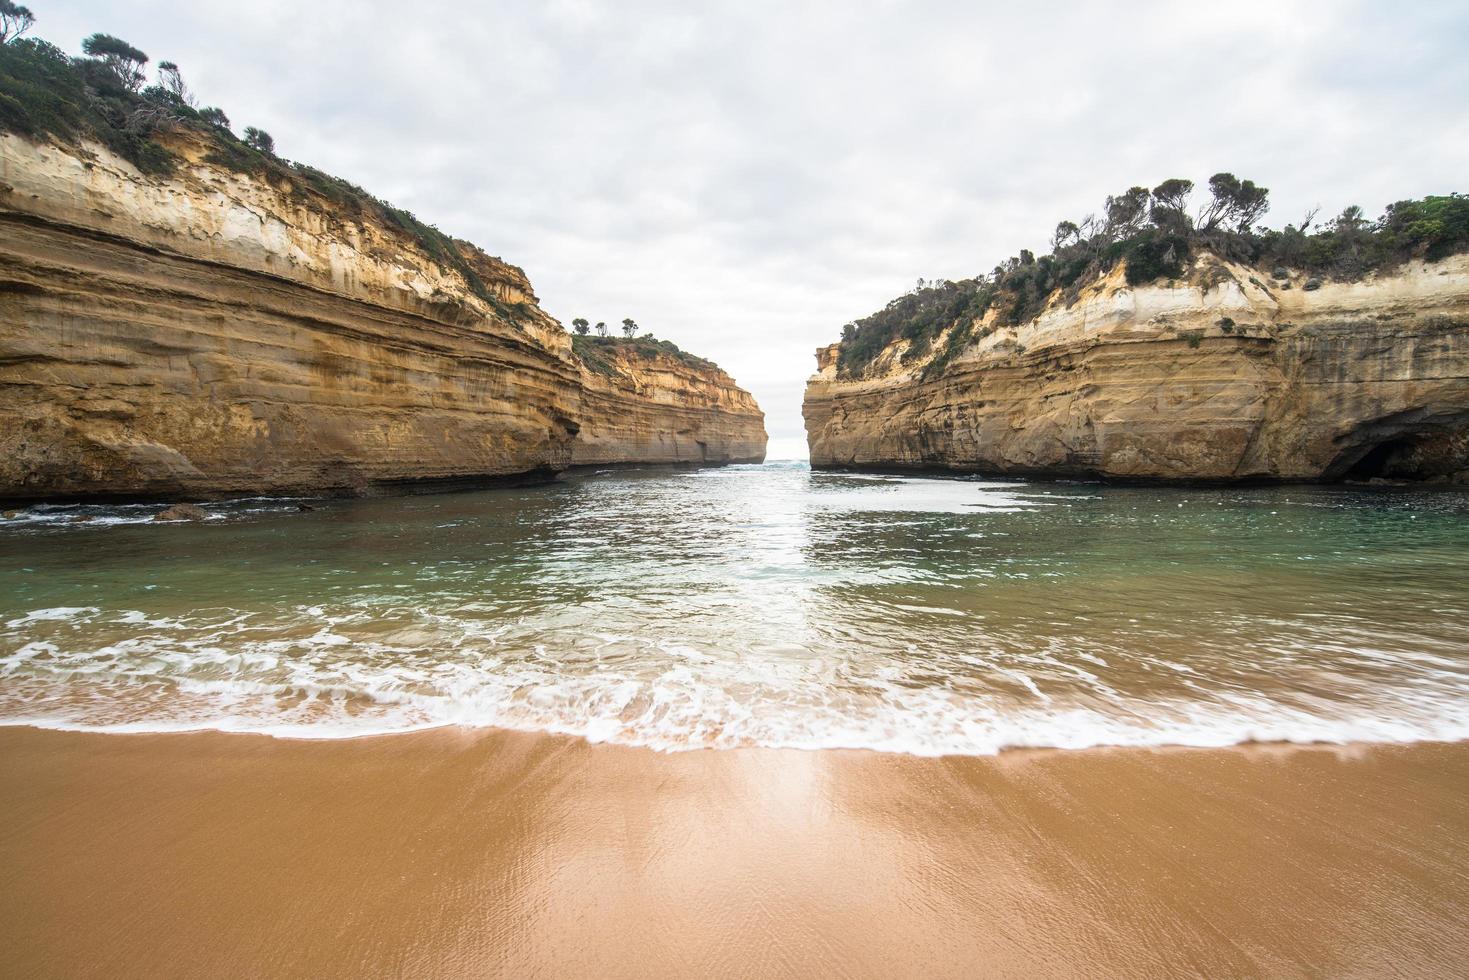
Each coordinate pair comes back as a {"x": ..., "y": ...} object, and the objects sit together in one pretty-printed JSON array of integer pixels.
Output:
[{"x": 758, "y": 606}]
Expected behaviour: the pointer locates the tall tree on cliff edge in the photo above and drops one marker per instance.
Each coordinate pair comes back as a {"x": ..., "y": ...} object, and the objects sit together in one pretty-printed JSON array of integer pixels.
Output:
[
  {"x": 629, "y": 328},
  {"x": 580, "y": 326},
  {"x": 1237, "y": 203},
  {"x": 15, "y": 20},
  {"x": 1170, "y": 206},
  {"x": 120, "y": 58},
  {"x": 259, "y": 139}
]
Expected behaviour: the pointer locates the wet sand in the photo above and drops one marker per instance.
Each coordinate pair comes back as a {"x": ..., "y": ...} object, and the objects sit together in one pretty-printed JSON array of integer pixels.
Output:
[{"x": 503, "y": 854}]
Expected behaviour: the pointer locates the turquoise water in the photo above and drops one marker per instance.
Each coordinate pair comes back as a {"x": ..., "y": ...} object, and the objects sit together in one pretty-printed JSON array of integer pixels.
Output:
[{"x": 757, "y": 605}]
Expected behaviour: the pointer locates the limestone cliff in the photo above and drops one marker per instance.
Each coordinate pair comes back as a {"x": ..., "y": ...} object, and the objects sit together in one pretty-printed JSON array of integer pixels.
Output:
[
  {"x": 1224, "y": 374},
  {"x": 212, "y": 333},
  {"x": 647, "y": 404}
]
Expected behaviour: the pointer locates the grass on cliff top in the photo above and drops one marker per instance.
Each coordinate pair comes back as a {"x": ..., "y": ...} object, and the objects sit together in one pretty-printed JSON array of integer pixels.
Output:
[
  {"x": 596, "y": 352},
  {"x": 1153, "y": 232},
  {"x": 46, "y": 94}
]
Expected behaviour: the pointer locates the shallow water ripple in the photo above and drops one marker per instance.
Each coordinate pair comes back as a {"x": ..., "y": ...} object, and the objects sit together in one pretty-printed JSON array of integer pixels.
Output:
[{"x": 757, "y": 605}]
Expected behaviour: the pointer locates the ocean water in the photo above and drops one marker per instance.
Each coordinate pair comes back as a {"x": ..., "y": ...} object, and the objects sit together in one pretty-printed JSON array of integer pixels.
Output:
[{"x": 757, "y": 605}]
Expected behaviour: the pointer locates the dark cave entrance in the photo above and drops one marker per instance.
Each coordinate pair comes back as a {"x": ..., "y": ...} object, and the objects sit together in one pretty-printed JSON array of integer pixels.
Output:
[
  {"x": 1382, "y": 461},
  {"x": 1436, "y": 451}
]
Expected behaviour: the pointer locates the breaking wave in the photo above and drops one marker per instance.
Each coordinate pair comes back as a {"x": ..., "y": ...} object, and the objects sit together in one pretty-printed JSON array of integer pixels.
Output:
[{"x": 756, "y": 606}]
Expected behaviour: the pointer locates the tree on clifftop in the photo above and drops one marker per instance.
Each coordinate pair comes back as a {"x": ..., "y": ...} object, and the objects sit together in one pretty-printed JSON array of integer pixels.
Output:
[
  {"x": 1066, "y": 233},
  {"x": 629, "y": 328},
  {"x": 601, "y": 329},
  {"x": 259, "y": 139},
  {"x": 1170, "y": 206},
  {"x": 120, "y": 58},
  {"x": 580, "y": 326},
  {"x": 15, "y": 20},
  {"x": 214, "y": 116},
  {"x": 1125, "y": 213},
  {"x": 171, "y": 83},
  {"x": 1237, "y": 203}
]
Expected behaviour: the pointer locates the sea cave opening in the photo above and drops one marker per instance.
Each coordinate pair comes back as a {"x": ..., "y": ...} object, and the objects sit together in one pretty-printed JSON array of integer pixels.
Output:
[
  {"x": 1434, "y": 453},
  {"x": 1381, "y": 462}
]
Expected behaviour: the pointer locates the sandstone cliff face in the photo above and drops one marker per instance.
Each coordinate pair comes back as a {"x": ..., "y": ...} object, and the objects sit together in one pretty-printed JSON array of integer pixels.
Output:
[
  {"x": 664, "y": 408},
  {"x": 213, "y": 334},
  {"x": 1228, "y": 376}
]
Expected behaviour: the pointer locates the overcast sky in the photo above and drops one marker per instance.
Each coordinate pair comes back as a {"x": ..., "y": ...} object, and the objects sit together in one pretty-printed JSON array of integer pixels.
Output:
[{"x": 744, "y": 178}]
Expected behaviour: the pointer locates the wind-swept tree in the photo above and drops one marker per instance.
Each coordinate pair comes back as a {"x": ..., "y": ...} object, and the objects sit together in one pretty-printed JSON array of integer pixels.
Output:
[
  {"x": 1173, "y": 193},
  {"x": 259, "y": 139},
  {"x": 629, "y": 328},
  {"x": 1170, "y": 210},
  {"x": 601, "y": 329},
  {"x": 1066, "y": 234},
  {"x": 580, "y": 326},
  {"x": 1170, "y": 206},
  {"x": 215, "y": 116},
  {"x": 124, "y": 61},
  {"x": 1125, "y": 213},
  {"x": 1351, "y": 219},
  {"x": 15, "y": 20},
  {"x": 171, "y": 81},
  {"x": 1234, "y": 203}
]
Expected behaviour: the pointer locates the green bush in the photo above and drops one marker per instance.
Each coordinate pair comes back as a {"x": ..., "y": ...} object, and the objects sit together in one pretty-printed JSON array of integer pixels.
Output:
[
  {"x": 45, "y": 94},
  {"x": 1151, "y": 257},
  {"x": 1436, "y": 226},
  {"x": 596, "y": 352},
  {"x": 1154, "y": 236}
]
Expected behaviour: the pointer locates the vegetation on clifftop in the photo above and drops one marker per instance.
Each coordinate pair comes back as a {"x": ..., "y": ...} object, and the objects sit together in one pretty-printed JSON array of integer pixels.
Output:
[
  {"x": 596, "y": 352},
  {"x": 46, "y": 94},
  {"x": 1154, "y": 233}
]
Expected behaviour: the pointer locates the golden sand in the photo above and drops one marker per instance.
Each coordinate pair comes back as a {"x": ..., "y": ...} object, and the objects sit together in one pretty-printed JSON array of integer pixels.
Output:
[{"x": 453, "y": 853}]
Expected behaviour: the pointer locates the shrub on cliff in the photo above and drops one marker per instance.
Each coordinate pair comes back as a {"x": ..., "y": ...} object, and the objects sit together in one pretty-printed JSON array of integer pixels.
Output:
[
  {"x": 1438, "y": 226},
  {"x": 41, "y": 94},
  {"x": 596, "y": 352},
  {"x": 1152, "y": 255},
  {"x": 46, "y": 94},
  {"x": 1154, "y": 235}
]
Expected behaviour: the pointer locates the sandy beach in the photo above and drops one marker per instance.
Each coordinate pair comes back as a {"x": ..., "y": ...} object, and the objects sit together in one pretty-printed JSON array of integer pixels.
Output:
[{"x": 457, "y": 852}]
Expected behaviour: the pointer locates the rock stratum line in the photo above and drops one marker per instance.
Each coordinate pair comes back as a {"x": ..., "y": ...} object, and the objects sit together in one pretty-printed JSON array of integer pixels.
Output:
[
  {"x": 212, "y": 333},
  {"x": 1223, "y": 375}
]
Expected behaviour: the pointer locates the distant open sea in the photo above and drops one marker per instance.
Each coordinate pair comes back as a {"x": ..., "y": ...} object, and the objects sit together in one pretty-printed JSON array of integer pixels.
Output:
[{"x": 756, "y": 605}]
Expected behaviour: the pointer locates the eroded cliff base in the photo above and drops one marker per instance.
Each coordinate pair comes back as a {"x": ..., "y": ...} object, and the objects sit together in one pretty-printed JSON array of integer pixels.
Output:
[{"x": 1225, "y": 375}]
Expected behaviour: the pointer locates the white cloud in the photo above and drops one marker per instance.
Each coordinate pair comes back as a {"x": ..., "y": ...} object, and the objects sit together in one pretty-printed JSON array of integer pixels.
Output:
[{"x": 743, "y": 178}]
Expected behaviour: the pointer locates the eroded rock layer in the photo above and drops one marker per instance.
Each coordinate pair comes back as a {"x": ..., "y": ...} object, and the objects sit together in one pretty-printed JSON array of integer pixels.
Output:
[
  {"x": 212, "y": 334},
  {"x": 1230, "y": 375},
  {"x": 665, "y": 408}
]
